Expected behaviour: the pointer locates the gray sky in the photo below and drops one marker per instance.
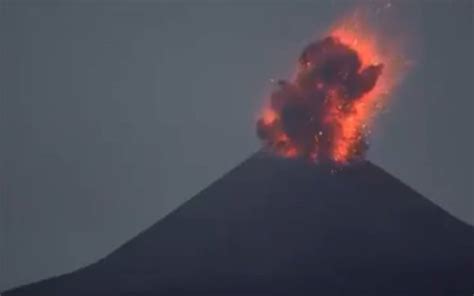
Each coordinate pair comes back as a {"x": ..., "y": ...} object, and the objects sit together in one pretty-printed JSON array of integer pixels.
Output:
[{"x": 115, "y": 113}]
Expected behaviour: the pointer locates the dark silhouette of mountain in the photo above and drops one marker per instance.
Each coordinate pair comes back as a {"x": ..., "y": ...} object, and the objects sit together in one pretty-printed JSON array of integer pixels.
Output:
[{"x": 276, "y": 226}]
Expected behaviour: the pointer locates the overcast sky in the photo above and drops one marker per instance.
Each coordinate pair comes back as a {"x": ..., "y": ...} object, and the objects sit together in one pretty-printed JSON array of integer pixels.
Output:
[{"x": 114, "y": 113}]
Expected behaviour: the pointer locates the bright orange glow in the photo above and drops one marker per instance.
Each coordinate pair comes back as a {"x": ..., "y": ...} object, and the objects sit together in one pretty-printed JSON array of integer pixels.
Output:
[
  {"x": 325, "y": 112},
  {"x": 354, "y": 33},
  {"x": 269, "y": 116}
]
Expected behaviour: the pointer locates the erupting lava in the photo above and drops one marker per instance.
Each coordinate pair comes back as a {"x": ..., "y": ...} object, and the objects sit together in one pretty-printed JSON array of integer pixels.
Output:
[{"x": 323, "y": 114}]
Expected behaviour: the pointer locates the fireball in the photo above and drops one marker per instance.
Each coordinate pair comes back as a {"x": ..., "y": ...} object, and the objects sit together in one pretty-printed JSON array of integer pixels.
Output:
[{"x": 325, "y": 112}]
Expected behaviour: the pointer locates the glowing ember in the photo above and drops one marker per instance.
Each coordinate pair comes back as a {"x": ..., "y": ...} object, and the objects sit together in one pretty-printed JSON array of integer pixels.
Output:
[{"x": 323, "y": 114}]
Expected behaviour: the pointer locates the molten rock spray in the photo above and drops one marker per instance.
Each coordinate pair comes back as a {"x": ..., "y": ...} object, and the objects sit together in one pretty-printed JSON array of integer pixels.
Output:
[{"x": 324, "y": 112}]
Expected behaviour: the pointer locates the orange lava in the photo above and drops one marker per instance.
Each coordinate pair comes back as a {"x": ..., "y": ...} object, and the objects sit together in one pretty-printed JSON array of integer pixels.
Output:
[
  {"x": 352, "y": 120},
  {"x": 354, "y": 33}
]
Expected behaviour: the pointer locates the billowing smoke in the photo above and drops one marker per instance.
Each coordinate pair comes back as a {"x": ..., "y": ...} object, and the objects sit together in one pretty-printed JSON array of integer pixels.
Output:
[{"x": 317, "y": 114}]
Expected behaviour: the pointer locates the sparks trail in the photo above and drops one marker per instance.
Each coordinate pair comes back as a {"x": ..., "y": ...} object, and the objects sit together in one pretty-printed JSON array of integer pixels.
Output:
[{"x": 323, "y": 113}]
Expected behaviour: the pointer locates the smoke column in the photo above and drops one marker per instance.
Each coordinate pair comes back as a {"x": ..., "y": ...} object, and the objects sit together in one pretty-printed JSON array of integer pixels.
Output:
[{"x": 323, "y": 114}]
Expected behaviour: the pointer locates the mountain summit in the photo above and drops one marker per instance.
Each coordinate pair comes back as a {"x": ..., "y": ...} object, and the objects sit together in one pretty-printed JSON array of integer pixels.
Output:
[{"x": 275, "y": 226}]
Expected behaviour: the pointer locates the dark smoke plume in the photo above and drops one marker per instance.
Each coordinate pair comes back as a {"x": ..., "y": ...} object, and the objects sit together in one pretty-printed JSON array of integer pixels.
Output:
[{"x": 304, "y": 115}]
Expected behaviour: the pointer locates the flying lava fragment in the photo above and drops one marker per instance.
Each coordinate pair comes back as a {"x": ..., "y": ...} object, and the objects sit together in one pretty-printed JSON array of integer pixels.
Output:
[{"x": 324, "y": 112}]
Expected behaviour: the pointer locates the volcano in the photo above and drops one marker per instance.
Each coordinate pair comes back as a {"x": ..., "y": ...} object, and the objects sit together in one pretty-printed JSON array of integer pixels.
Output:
[{"x": 276, "y": 226}]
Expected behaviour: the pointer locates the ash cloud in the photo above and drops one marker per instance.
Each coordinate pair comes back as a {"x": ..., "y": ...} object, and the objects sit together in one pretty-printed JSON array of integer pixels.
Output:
[{"x": 307, "y": 112}]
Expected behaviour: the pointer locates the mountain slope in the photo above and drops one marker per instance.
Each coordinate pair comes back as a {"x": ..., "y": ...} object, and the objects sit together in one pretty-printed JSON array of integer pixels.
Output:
[{"x": 278, "y": 226}]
